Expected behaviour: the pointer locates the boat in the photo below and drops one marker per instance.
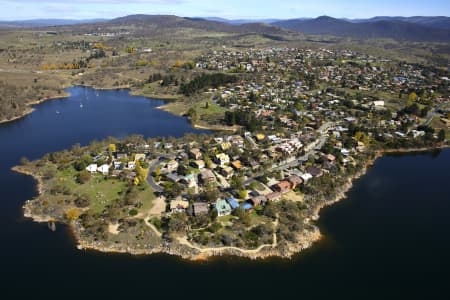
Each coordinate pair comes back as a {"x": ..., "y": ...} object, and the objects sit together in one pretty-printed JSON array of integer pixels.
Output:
[
  {"x": 52, "y": 226},
  {"x": 81, "y": 105},
  {"x": 57, "y": 112}
]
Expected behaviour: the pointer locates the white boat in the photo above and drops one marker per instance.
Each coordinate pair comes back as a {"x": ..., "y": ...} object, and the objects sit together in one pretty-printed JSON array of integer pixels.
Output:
[
  {"x": 57, "y": 112},
  {"x": 81, "y": 105}
]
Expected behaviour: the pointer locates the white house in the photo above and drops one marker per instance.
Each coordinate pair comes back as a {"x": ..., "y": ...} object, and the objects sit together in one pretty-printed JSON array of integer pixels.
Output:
[
  {"x": 104, "y": 169},
  {"x": 306, "y": 177},
  {"x": 92, "y": 168}
]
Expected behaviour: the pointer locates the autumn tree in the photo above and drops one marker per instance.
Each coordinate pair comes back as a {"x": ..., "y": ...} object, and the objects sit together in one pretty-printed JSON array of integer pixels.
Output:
[{"x": 73, "y": 214}]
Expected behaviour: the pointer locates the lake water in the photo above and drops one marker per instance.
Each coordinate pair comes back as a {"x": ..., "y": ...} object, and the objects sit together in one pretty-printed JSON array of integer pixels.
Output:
[{"x": 390, "y": 239}]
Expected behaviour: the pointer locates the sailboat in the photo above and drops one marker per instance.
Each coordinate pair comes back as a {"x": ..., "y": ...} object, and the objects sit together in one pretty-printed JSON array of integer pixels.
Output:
[
  {"x": 51, "y": 225},
  {"x": 81, "y": 105},
  {"x": 57, "y": 112}
]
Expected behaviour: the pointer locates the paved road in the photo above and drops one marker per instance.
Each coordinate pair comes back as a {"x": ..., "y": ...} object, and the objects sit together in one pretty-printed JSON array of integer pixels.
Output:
[
  {"x": 431, "y": 114},
  {"x": 151, "y": 181}
]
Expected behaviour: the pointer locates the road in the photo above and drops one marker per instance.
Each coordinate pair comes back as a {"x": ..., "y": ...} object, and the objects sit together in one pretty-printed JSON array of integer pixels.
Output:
[
  {"x": 431, "y": 114},
  {"x": 151, "y": 181},
  {"x": 317, "y": 144}
]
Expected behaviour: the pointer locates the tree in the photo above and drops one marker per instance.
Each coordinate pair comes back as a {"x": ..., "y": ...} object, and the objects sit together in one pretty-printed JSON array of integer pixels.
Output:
[
  {"x": 24, "y": 161},
  {"x": 193, "y": 115},
  {"x": 73, "y": 214},
  {"x": 412, "y": 97},
  {"x": 243, "y": 194},
  {"x": 83, "y": 177},
  {"x": 177, "y": 222},
  {"x": 441, "y": 135}
]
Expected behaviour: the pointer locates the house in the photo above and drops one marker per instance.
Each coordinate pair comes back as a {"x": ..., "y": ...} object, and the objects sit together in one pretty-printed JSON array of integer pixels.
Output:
[
  {"x": 329, "y": 157},
  {"x": 233, "y": 203},
  {"x": 295, "y": 181},
  {"x": 139, "y": 156},
  {"x": 116, "y": 173},
  {"x": 121, "y": 155},
  {"x": 178, "y": 205},
  {"x": 273, "y": 196},
  {"x": 172, "y": 166},
  {"x": 315, "y": 172},
  {"x": 131, "y": 165},
  {"x": 282, "y": 187},
  {"x": 189, "y": 180},
  {"x": 92, "y": 168},
  {"x": 199, "y": 164},
  {"x": 174, "y": 177},
  {"x": 207, "y": 176},
  {"x": 223, "y": 208},
  {"x": 200, "y": 208},
  {"x": 247, "y": 206},
  {"x": 225, "y": 146},
  {"x": 195, "y": 154},
  {"x": 117, "y": 165},
  {"x": 222, "y": 159},
  {"x": 258, "y": 200},
  {"x": 226, "y": 171},
  {"x": 237, "y": 165},
  {"x": 104, "y": 169},
  {"x": 254, "y": 165}
]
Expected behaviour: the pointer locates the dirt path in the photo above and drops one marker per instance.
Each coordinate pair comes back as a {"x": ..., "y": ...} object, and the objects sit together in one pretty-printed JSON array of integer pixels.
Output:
[
  {"x": 159, "y": 234},
  {"x": 184, "y": 241}
]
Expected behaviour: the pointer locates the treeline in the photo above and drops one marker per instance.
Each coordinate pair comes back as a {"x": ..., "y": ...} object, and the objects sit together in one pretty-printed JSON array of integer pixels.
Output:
[
  {"x": 206, "y": 80},
  {"x": 242, "y": 118},
  {"x": 164, "y": 80}
]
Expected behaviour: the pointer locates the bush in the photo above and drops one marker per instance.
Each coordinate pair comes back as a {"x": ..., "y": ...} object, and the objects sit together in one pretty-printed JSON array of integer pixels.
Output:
[
  {"x": 83, "y": 177},
  {"x": 133, "y": 212}
]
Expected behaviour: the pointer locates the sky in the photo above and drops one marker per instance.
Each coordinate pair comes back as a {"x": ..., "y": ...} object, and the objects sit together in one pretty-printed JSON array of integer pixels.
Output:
[{"x": 231, "y": 9}]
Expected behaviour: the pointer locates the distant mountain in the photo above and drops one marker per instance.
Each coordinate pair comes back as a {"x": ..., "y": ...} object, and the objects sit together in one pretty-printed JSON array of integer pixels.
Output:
[
  {"x": 47, "y": 22},
  {"x": 435, "y": 22},
  {"x": 374, "y": 28},
  {"x": 242, "y": 21},
  {"x": 169, "y": 21}
]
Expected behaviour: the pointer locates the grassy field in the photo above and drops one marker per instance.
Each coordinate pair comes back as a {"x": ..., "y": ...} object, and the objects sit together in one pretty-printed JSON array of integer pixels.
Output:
[{"x": 101, "y": 191}]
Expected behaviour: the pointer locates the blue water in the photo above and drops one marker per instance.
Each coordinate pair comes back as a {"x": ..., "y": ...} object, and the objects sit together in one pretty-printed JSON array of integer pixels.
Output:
[{"x": 390, "y": 239}]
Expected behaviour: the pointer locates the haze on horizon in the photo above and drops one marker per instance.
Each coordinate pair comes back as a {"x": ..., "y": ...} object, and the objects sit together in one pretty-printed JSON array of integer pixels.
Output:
[{"x": 231, "y": 9}]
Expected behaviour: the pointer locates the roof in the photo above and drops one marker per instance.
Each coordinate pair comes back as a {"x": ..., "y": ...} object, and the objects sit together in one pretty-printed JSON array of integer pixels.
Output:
[
  {"x": 174, "y": 204},
  {"x": 200, "y": 207},
  {"x": 283, "y": 184},
  {"x": 222, "y": 206},
  {"x": 294, "y": 179},
  {"x": 237, "y": 164},
  {"x": 273, "y": 196},
  {"x": 314, "y": 171},
  {"x": 233, "y": 202},
  {"x": 258, "y": 200},
  {"x": 247, "y": 206}
]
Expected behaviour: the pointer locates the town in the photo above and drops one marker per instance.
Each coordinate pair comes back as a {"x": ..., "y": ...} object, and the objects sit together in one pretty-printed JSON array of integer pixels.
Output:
[{"x": 306, "y": 123}]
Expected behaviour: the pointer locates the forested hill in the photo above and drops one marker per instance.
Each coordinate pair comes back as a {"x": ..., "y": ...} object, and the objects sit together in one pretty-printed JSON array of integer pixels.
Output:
[{"x": 395, "y": 29}]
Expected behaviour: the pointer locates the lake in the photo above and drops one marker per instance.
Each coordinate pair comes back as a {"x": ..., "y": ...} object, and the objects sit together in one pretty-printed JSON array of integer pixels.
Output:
[{"x": 390, "y": 239}]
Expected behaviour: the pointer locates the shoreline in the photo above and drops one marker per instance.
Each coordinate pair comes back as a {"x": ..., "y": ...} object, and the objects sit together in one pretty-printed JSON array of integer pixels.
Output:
[
  {"x": 192, "y": 252},
  {"x": 29, "y": 109}
]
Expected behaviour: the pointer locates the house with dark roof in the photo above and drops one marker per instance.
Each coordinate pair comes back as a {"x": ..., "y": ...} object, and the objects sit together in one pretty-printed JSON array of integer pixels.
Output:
[
  {"x": 200, "y": 208},
  {"x": 315, "y": 172},
  {"x": 282, "y": 187},
  {"x": 258, "y": 200}
]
